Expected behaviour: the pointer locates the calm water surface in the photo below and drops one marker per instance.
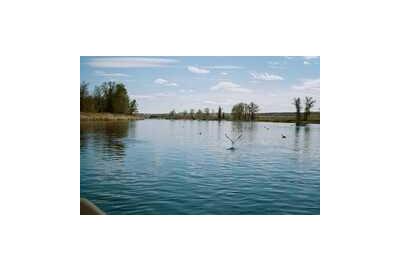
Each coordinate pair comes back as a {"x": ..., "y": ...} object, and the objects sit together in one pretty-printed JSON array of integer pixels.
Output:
[{"x": 183, "y": 167}]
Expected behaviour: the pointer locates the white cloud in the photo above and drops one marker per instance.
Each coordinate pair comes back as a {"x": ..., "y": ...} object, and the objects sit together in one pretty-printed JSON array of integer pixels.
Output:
[
  {"x": 308, "y": 84},
  {"x": 265, "y": 76},
  {"x": 224, "y": 67},
  {"x": 109, "y": 74},
  {"x": 164, "y": 82},
  {"x": 229, "y": 86},
  {"x": 311, "y": 57},
  {"x": 130, "y": 62},
  {"x": 224, "y": 73},
  {"x": 197, "y": 70},
  {"x": 306, "y": 63}
]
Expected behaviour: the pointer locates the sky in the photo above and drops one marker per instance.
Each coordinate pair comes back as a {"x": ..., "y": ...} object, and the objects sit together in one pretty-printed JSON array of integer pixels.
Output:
[{"x": 161, "y": 84}]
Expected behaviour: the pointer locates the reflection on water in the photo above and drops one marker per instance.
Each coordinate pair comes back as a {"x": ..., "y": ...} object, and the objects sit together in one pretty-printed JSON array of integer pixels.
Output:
[
  {"x": 183, "y": 167},
  {"x": 108, "y": 136}
]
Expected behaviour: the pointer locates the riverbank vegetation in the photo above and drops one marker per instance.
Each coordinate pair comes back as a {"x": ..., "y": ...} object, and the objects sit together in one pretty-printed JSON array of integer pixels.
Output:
[
  {"x": 109, "y": 97},
  {"x": 110, "y": 101},
  {"x": 87, "y": 116},
  {"x": 248, "y": 112}
]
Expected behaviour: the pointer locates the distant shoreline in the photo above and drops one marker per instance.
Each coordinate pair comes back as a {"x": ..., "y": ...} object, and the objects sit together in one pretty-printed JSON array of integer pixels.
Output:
[
  {"x": 276, "y": 117},
  {"x": 85, "y": 116},
  {"x": 262, "y": 117}
]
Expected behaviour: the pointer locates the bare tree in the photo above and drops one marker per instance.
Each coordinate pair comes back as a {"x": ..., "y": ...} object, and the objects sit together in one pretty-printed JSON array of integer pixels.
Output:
[
  {"x": 297, "y": 104},
  {"x": 309, "y": 103}
]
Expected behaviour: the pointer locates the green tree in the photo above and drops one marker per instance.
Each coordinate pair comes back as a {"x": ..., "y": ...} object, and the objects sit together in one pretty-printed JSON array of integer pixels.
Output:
[
  {"x": 120, "y": 99},
  {"x": 239, "y": 111},
  {"x": 172, "y": 114},
  {"x": 133, "y": 107},
  {"x": 253, "y": 109},
  {"x": 207, "y": 113},
  {"x": 199, "y": 114},
  {"x": 87, "y": 103},
  {"x": 219, "y": 113},
  {"x": 191, "y": 114}
]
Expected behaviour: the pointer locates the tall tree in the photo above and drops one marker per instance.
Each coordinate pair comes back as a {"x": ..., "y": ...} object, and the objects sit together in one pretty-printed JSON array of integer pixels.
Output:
[
  {"x": 309, "y": 103},
  {"x": 172, "y": 114},
  {"x": 219, "y": 113},
  {"x": 253, "y": 109},
  {"x": 120, "y": 99},
  {"x": 133, "y": 107},
  {"x": 297, "y": 104},
  {"x": 192, "y": 114},
  {"x": 239, "y": 111},
  {"x": 199, "y": 114},
  {"x": 207, "y": 113},
  {"x": 99, "y": 100},
  {"x": 84, "y": 87}
]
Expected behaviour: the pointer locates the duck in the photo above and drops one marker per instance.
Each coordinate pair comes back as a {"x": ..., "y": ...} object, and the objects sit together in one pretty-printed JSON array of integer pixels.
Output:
[{"x": 283, "y": 136}]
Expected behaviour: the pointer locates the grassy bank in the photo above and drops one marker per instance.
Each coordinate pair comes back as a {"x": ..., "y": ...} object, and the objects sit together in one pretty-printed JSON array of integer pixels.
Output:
[
  {"x": 287, "y": 118},
  {"x": 284, "y": 117},
  {"x": 108, "y": 117}
]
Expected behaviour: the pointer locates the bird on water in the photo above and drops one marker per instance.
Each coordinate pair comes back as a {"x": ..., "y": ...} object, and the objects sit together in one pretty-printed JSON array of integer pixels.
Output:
[{"x": 233, "y": 141}]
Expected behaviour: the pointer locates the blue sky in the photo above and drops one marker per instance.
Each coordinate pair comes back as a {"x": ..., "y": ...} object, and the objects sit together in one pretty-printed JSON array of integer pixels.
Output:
[{"x": 161, "y": 84}]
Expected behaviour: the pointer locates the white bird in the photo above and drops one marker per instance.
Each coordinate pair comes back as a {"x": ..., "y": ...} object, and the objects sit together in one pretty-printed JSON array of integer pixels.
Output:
[{"x": 233, "y": 141}]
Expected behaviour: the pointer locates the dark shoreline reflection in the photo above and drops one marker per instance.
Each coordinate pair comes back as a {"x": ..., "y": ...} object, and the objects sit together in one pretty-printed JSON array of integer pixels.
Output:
[{"x": 108, "y": 135}]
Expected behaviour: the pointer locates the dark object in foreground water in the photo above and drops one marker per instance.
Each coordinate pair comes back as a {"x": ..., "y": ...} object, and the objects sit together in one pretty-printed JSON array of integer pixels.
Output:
[
  {"x": 233, "y": 141},
  {"x": 283, "y": 136},
  {"x": 89, "y": 208}
]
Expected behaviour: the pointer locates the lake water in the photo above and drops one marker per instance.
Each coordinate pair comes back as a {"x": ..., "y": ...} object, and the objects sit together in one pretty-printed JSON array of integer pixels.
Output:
[{"x": 184, "y": 167}]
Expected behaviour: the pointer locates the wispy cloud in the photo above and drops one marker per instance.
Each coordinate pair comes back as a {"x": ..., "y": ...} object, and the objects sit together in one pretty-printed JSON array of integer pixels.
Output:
[
  {"x": 230, "y": 87},
  {"x": 186, "y": 90},
  {"x": 224, "y": 67},
  {"x": 311, "y": 57},
  {"x": 164, "y": 82},
  {"x": 308, "y": 84},
  {"x": 224, "y": 73},
  {"x": 109, "y": 74},
  {"x": 197, "y": 70},
  {"x": 266, "y": 76},
  {"x": 130, "y": 62},
  {"x": 307, "y": 63}
]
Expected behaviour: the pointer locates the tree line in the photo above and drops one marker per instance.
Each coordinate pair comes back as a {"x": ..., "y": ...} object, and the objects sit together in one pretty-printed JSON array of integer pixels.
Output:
[
  {"x": 192, "y": 114},
  {"x": 241, "y": 111},
  {"x": 245, "y": 112},
  {"x": 108, "y": 97}
]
